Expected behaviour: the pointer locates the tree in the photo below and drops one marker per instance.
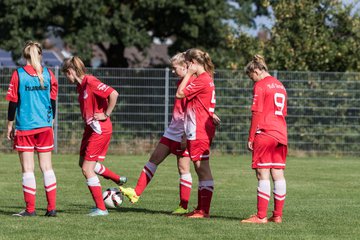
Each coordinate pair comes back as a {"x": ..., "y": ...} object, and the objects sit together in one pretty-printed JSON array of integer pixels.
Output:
[
  {"x": 321, "y": 35},
  {"x": 114, "y": 25},
  {"x": 318, "y": 35}
]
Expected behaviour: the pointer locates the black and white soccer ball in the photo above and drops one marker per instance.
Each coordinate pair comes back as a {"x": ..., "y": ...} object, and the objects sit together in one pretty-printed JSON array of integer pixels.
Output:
[{"x": 113, "y": 198}]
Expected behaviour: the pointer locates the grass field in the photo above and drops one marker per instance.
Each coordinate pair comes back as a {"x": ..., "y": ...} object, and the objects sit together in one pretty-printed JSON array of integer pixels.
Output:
[{"x": 323, "y": 202}]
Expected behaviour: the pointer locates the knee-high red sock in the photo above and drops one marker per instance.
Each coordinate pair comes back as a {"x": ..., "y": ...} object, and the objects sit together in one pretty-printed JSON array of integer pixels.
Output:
[
  {"x": 263, "y": 197},
  {"x": 100, "y": 169},
  {"x": 95, "y": 189},
  {"x": 29, "y": 190},
  {"x": 279, "y": 197},
  {"x": 185, "y": 189},
  {"x": 206, "y": 189},
  {"x": 50, "y": 189},
  {"x": 145, "y": 177}
]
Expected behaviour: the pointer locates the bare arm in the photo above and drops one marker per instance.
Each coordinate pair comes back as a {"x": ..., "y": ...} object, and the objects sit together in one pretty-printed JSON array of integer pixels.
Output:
[
  {"x": 216, "y": 120},
  {"x": 10, "y": 130},
  {"x": 191, "y": 71},
  {"x": 112, "y": 102},
  {"x": 253, "y": 127}
]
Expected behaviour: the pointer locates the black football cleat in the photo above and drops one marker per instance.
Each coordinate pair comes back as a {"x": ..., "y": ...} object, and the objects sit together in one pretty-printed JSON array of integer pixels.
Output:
[{"x": 25, "y": 213}]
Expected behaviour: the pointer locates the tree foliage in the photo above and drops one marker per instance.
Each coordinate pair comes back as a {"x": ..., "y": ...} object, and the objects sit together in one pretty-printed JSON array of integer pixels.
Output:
[
  {"x": 114, "y": 25},
  {"x": 320, "y": 35},
  {"x": 316, "y": 36}
]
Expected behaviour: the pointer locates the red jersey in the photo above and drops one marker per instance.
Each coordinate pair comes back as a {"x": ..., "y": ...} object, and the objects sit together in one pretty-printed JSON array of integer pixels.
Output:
[
  {"x": 200, "y": 94},
  {"x": 270, "y": 101},
  {"x": 176, "y": 127},
  {"x": 93, "y": 96}
]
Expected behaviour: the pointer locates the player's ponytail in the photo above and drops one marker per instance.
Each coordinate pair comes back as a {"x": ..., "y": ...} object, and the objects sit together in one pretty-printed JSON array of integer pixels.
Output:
[
  {"x": 202, "y": 58},
  {"x": 32, "y": 52},
  {"x": 208, "y": 64},
  {"x": 258, "y": 62},
  {"x": 74, "y": 63}
]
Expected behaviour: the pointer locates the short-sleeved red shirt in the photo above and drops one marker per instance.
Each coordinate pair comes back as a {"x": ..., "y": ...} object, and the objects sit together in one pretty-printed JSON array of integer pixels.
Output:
[
  {"x": 175, "y": 131},
  {"x": 270, "y": 100},
  {"x": 93, "y": 96},
  {"x": 201, "y": 101}
]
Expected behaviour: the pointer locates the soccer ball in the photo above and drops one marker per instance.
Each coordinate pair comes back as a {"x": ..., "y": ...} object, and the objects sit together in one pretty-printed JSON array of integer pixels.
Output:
[{"x": 113, "y": 198}]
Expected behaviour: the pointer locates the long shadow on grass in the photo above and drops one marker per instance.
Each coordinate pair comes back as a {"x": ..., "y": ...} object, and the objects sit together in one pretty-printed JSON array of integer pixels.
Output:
[
  {"x": 80, "y": 210},
  {"x": 144, "y": 210},
  {"x": 16, "y": 209}
]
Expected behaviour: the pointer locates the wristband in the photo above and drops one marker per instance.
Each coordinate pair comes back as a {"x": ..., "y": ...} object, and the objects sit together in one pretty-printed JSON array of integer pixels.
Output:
[{"x": 106, "y": 115}]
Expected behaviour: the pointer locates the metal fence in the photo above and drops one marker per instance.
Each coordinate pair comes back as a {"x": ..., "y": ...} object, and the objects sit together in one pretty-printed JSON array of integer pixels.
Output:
[{"x": 323, "y": 110}]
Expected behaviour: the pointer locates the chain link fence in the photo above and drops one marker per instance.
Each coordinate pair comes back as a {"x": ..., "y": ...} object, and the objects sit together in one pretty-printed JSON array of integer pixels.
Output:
[{"x": 323, "y": 110}]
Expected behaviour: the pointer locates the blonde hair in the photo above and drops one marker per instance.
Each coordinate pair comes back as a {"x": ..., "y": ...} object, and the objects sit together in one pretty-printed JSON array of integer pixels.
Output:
[
  {"x": 257, "y": 62},
  {"x": 178, "y": 58},
  {"x": 74, "y": 63},
  {"x": 202, "y": 58},
  {"x": 32, "y": 52}
]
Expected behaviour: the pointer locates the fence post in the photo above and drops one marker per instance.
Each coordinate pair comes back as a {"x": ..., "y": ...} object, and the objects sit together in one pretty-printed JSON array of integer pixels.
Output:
[
  {"x": 276, "y": 74},
  {"x": 56, "y": 115},
  {"x": 166, "y": 112}
]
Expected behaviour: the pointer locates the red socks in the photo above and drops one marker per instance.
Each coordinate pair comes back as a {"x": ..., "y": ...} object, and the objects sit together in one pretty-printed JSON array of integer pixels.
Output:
[
  {"x": 106, "y": 173},
  {"x": 96, "y": 192},
  {"x": 145, "y": 177},
  {"x": 205, "y": 192},
  {"x": 263, "y": 197},
  {"x": 279, "y": 197},
  {"x": 50, "y": 189},
  {"x": 185, "y": 189},
  {"x": 29, "y": 190}
]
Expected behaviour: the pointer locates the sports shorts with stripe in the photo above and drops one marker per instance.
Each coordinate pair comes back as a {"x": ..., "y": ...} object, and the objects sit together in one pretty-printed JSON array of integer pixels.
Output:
[
  {"x": 268, "y": 152},
  {"x": 94, "y": 146},
  {"x": 199, "y": 149},
  {"x": 40, "y": 141},
  {"x": 175, "y": 147}
]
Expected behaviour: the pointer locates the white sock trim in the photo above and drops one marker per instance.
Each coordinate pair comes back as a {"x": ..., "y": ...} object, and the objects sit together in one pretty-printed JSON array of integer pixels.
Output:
[
  {"x": 280, "y": 189},
  {"x": 99, "y": 168},
  {"x": 151, "y": 166},
  {"x": 49, "y": 180},
  {"x": 150, "y": 169},
  {"x": 29, "y": 183},
  {"x": 186, "y": 177},
  {"x": 264, "y": 187},
  {"x": 186, "y": 180},
  {"x": 93, "y": 182},
  {"x": 207, "y": 183}
]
